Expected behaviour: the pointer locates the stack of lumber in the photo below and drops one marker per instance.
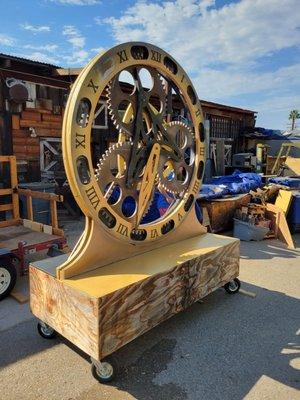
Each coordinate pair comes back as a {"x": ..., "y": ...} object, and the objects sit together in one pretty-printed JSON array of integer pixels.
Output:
[
  {"x": 253, "y": 214},
  {"x": 266, "y": 211},
  {"x": 45, "y": 124}
]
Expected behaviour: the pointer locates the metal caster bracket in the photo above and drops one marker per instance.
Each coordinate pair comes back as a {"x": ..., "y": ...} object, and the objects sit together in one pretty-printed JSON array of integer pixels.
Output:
[{"x": 103, "y": 371}]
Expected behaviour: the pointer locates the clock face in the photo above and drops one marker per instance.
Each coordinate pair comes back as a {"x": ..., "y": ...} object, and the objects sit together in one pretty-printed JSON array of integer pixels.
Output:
[{"x": 147, "y": 180}]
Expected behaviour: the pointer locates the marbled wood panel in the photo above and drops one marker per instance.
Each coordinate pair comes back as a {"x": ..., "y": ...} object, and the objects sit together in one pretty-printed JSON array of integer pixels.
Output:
[
  {"x": 129, "y": 312},
  {"x": 70, "y": 312},
  {"x": 205, "y": 275}
]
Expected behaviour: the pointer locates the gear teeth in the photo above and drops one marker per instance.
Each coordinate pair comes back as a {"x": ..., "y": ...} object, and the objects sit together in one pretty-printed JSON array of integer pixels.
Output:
[
  {"x": 112, "y": 88},
  {"x": 174, "y": 187},
  {"x": 174, "y": 192}
]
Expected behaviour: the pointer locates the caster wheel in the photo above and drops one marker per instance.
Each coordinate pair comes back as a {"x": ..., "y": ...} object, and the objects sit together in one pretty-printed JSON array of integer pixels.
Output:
[
  {"x": 46, "y": 331},
  {"x": 233, "y": 287},
  {"x": 8, "y": 277},
  {"x": 103, "y": 372}
]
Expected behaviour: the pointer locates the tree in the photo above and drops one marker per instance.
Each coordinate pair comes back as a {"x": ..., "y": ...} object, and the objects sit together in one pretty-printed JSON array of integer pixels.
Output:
[{"x": 294, "y": 115}]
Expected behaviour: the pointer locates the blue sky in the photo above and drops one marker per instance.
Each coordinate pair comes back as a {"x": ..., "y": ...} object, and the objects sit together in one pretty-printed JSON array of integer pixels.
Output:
[{"x": 243, "y": 53}]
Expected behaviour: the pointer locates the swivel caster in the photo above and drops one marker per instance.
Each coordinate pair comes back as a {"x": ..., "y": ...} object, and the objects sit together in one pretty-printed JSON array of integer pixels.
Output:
[
  {"x": 103, "y": 372},
  {"x": 233, "y": 287},
  {"x": 46, "y": 331}
]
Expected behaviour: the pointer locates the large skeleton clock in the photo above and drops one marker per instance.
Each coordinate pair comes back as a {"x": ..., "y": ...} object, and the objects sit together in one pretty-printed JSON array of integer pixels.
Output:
[{"x": 160, "y": 147}]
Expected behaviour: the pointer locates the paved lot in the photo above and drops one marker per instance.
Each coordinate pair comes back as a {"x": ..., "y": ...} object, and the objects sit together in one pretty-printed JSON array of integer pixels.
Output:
[{"x": 228, "y": 347}]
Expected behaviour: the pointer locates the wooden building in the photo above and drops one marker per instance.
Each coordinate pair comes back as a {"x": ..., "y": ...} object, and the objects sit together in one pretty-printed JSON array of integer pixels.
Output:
[{"x": 32, "y": 100}]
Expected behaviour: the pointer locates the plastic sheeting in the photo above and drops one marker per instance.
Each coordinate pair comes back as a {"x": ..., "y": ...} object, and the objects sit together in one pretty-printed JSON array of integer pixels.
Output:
[
  {"x": 238, "y": 182},
  {"x": 291, "y": 182}
]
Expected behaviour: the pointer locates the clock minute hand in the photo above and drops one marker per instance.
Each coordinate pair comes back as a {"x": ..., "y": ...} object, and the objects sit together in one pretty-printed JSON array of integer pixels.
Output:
[
  {"x": 137, "y": 154},
  {"x": 148, "y": 182}
]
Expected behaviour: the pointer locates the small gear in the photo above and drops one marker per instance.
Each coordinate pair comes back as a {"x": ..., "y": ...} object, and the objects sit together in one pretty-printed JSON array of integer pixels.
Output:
[
  {"x": 111, "y": 177},
  {"x": 117, "y": 96},
  {"x": 174, "y": 176}
]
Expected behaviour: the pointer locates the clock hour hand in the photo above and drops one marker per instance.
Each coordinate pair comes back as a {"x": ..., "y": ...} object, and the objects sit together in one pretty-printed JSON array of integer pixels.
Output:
[{"x": 165, "y": 140}]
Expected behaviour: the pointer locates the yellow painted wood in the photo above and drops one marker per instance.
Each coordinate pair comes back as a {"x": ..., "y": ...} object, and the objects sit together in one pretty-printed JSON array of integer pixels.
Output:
[
  {"x": 281, "y": 228},
  {"x": 283, "y": 200},
  {"x": 100, "y": 248},
  {"x": 293, "y": 164},
  {"x": 148, "y": 181},
  {"x": 110, "y": 278}
]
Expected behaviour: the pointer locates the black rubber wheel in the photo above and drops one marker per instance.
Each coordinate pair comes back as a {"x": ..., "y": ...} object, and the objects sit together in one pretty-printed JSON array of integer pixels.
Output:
[
  {"x": 105, "y": 375},
  {"x": 8, "y": 278},
  {"x": 46, "y": 331},
  {"x": 233, "y": 287}
]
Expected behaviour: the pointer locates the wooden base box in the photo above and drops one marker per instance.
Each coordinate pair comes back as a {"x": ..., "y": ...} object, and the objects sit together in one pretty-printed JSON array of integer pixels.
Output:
[{"x": 102, "y": 310}]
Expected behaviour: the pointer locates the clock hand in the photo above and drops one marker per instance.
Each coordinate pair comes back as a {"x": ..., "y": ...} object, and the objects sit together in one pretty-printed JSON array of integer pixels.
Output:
[
  {"x": 148, "y": 182},
  {"x": 137, "y": 153},
  {"x": 157, "y": 125}
]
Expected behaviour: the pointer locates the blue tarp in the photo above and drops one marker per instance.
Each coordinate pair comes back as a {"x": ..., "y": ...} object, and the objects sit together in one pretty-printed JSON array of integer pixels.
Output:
[
  {"x": 159, "y": 203},
  {"x": 291, "y": 182},
  {"x": 238, "y": 182}
]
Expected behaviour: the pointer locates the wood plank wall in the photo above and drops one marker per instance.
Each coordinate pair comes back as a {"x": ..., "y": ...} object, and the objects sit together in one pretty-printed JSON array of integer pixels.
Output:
[{"x": 45, "y": 123}]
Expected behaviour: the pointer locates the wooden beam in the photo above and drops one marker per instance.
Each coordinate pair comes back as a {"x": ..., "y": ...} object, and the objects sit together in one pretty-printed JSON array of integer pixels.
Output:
[
  {"x": 14, "y": 184},
  {"x": 4, "y": 192},
  {"x": 5, "y": 158},
  {"x": 29, "y": 207},
  {"x": 283, "y": 200},
  {"x": 280, "y": 225},
  {"x": 220, "y": 157},
  {"x": 10, "y": 222},
  {"x": 67, "y": 71},
  {"x": 6, "y": 207},
  {"x": 48, "y": 81},
  {"x": 41, "y": 195},
  {"x": 53, "y": 209}
]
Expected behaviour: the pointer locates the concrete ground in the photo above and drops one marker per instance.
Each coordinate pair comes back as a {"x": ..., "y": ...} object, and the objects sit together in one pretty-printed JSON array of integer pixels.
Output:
[{"x": 227, "y": 347}]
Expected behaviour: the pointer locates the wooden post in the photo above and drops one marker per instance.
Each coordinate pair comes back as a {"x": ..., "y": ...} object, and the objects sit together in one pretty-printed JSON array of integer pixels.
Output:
[
  {"x": 29, "y": 208},
  {"x": 53, "y": 209},
  {"x": 14, "y": 185},
  {"x": 220, "y": 153}
]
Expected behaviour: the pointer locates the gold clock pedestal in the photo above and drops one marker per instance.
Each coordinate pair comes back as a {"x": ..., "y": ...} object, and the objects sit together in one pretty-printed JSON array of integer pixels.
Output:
[
  {"x": 103, "y": 309},
  {"x": 125, "y": 276}
]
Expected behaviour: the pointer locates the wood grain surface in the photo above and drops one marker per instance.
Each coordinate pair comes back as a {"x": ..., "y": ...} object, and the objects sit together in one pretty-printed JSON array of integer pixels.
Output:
[
  {"x": 70, "y": 312},
  {"x": 129, "y": 312},
  {"x": 100, "y": 326}
]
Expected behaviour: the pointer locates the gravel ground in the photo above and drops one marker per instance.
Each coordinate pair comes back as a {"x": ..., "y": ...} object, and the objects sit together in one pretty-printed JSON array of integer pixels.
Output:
[{"x": 226, "y": 347}]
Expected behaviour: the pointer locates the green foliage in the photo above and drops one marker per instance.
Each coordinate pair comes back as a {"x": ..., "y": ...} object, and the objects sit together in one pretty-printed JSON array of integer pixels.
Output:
[{"x": 294, "y": 115}]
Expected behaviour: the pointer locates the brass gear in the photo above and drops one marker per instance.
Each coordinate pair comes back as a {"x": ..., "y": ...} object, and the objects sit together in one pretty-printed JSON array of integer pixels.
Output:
[
  {"x": 116, "y": 95},
  {"x": 175, "y": 176},
  {"x": 112, "y": 181}
]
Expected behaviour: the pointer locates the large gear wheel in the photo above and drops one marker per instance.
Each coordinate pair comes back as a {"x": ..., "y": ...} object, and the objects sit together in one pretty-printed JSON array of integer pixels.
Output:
[
  {"x": 111, "y": 177},
  {"x": 150, "y": 156},
  {"x": 122, "y": 99},
  {"x": 174, "y": 176}
]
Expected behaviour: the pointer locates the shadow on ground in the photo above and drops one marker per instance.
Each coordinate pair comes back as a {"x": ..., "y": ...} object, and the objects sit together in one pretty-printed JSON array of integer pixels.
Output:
[
  {"x": 215, "y": 350},
  {"x": 268, "y": 249},
  {"x": 22, "y": 341}
]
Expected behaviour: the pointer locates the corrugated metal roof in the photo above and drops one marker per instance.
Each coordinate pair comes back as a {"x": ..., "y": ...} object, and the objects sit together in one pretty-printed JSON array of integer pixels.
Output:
[{"x": 27, "y": 60}]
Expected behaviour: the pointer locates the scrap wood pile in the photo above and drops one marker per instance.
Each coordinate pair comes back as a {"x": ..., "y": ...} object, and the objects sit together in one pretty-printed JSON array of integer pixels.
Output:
[{"x": 262, "y": 219}]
